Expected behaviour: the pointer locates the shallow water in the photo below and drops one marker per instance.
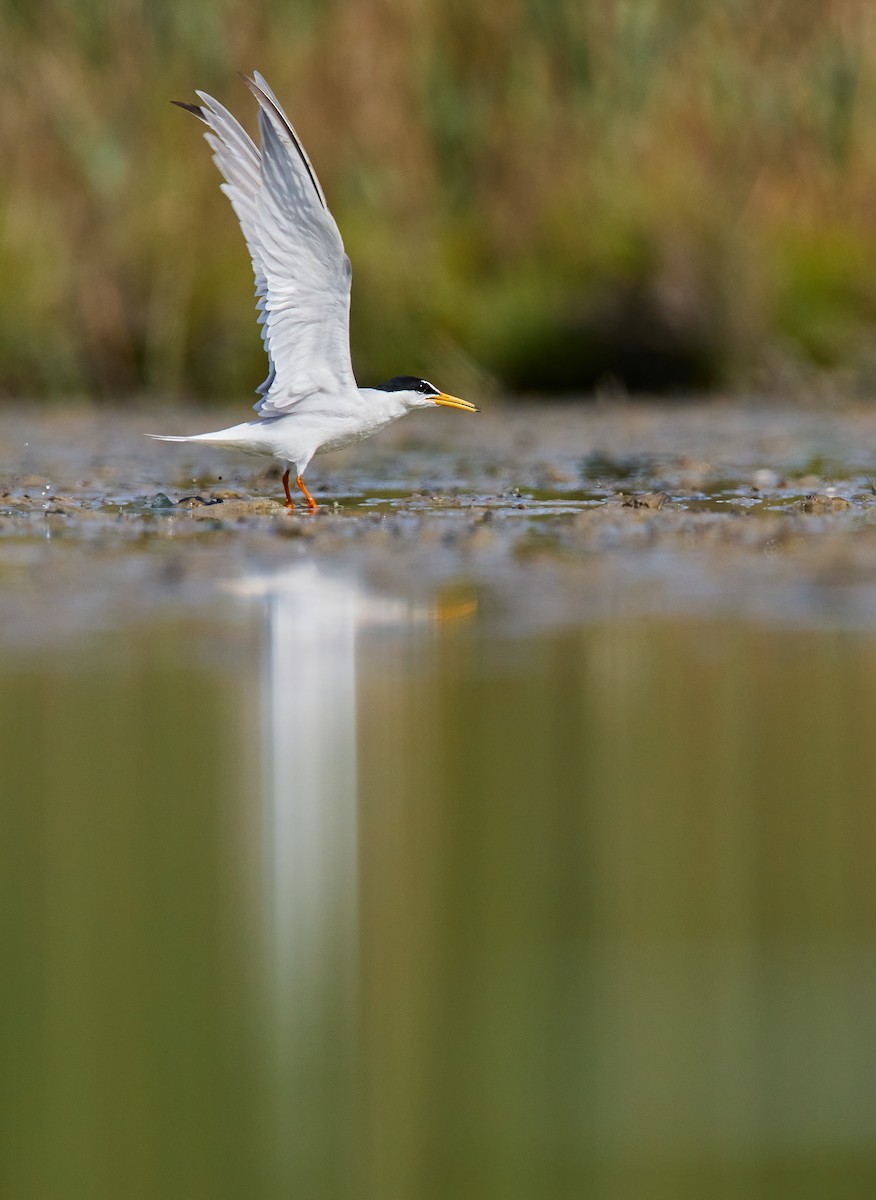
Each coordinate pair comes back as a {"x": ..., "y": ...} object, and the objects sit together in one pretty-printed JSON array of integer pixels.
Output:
[{"x": 506, "y": 830}]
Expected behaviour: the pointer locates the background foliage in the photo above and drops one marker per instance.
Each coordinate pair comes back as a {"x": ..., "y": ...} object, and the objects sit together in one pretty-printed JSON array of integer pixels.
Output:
[{"x": 545, "y": 196}]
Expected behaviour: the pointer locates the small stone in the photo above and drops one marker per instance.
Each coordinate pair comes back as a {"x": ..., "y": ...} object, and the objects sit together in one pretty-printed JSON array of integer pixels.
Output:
[
  {"x": 652, "y": 500},
  {"x": 555, "y": 475},
  {"x": 765, "y": 478},
  {"x": 819, "y": 503},
  {"x": 194, "y": 502}
]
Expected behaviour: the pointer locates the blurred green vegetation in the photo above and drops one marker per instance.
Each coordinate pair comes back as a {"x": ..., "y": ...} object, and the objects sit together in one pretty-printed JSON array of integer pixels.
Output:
[{"x": 540, "y": 196}]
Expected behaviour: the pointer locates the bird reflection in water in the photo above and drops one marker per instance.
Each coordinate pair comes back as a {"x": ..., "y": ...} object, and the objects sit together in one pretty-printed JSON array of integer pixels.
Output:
[{"x": 314, "y": 621}]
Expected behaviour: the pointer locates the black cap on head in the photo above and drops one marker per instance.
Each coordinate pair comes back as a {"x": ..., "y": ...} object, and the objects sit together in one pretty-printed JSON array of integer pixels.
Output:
[{"x": 409, "y": 383}]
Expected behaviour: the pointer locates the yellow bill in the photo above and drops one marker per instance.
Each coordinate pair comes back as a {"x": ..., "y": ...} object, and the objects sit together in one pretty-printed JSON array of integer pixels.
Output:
[{"x": 455, "y": 402}]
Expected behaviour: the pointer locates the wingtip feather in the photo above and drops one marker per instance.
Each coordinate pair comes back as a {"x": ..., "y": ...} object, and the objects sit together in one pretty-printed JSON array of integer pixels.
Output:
[
  {"x": 269, "y": 105},
  {"x": 196, "y": 109}
]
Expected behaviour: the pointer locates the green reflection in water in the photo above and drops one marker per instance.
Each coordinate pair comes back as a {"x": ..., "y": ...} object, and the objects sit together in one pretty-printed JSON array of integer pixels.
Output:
[
  {"x": 612, "y": 931},
  {"x": 619, "y": 914},
  {"x": 127, "y": 1041}
]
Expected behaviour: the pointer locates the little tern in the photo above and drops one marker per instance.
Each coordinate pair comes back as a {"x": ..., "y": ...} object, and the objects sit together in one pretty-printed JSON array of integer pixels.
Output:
[{"x": 310, "y": 402}]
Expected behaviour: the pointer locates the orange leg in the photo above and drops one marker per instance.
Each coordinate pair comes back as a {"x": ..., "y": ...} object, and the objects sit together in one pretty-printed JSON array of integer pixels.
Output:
[{"x": 311, "y": 503}]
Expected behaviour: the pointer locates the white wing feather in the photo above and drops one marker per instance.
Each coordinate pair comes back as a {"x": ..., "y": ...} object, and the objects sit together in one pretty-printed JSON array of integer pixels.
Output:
[
  {"x": 237, "y": 158},
  {"x": 302, "y": 275}
]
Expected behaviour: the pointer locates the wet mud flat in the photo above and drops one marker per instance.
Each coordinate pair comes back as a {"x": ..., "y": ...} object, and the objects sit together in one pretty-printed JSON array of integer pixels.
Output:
[{"x": 548, "y": 514}]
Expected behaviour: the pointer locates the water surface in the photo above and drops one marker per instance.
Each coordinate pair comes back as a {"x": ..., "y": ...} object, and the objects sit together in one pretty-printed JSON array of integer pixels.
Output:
[{"x": 510, "y": 840}]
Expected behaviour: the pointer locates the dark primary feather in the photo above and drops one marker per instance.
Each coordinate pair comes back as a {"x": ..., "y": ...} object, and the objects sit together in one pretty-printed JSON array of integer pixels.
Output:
[{"x": 192, "y": 108}]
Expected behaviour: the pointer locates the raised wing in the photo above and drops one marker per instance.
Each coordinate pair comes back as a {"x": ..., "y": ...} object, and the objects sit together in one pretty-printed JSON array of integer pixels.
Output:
[{"x": 302, "y": 275}]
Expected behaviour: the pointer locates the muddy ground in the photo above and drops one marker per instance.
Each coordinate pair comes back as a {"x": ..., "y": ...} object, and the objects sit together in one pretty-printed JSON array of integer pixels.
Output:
[{"x": 547, "y": 513}]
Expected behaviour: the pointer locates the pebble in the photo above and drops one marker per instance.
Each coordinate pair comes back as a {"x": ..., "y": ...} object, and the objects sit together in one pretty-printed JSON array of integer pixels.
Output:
[
  {"x": 651, "y": 500},
  {"x": 765, "y": 478},
  {"x": 821, "y": 503}
]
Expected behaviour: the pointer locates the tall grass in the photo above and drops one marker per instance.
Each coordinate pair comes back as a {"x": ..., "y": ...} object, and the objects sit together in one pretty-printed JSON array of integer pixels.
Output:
[{"x": 666, "y": 193}]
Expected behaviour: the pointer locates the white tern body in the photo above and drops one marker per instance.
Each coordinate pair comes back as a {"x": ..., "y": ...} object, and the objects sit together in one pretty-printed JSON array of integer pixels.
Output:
[{"x": 310, "y": 402}]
